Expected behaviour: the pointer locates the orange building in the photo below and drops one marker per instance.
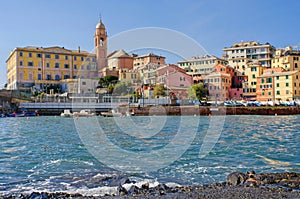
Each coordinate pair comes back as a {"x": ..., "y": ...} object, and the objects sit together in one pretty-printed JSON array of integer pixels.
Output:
[{"x": 142, "y": 60}]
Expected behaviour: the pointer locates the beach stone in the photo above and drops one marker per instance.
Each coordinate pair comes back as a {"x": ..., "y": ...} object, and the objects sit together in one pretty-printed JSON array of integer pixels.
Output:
[
  {"x": 236, "y": 178},
  {"x": 145, "y": 186},
  {"x": 134, "y": 190},
  {"x": 122, "y": 191}
]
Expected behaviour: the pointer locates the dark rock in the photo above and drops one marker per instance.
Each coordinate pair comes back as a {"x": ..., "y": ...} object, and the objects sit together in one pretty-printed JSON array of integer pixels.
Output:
[
  {"x": 134, "y": 190},
  {"x": 122, "y": 191},
  {"x": 236, "y": 178},
  {"x": 145, "y": 186}
]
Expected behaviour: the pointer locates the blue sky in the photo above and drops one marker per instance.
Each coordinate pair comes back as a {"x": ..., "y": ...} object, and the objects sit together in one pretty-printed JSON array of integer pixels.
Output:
[{"x": 214, "y": 24}]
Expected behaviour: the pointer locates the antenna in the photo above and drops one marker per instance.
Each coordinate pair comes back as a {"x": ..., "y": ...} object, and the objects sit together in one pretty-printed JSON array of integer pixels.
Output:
[{"x": 100, "y": 17}]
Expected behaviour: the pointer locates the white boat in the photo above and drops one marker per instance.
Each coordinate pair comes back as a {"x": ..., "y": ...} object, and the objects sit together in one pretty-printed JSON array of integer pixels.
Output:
[
  {"x": 83, "y": 113},
  {"x": 115, "y": 113},
  {"x": 66, "y": 113}
]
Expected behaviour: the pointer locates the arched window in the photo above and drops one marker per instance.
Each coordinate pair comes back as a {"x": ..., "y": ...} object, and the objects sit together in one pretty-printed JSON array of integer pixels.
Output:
[
  {"x": 57, "y": 77},
  {"x": 101, "y": 41}
]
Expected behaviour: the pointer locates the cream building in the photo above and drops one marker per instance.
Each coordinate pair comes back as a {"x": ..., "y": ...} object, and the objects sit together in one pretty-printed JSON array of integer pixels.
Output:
[
  {"x": 201, "y": 65},
  {"x": 239, "y": 54},
  {"x": 287, "y": 58}
]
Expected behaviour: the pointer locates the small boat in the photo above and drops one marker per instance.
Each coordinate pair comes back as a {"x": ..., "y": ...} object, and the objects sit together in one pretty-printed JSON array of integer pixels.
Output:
[
  {"x": 112, "y": 113},
  {"x": 83, "y": 113},
  {"x": 115, "y": 113},
  {"x": 66, "y": 113}
]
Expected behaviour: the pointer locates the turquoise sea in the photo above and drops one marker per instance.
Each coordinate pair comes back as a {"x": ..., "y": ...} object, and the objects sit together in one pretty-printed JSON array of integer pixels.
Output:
[{"x": 57, "y": 154}]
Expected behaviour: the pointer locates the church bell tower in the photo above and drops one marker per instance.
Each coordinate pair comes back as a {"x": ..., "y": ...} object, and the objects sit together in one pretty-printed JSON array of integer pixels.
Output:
[{"x": 100, "y": 38}]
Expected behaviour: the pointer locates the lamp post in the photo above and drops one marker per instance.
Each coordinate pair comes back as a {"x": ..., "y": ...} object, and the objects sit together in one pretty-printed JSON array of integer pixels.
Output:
[{"x": 128, "y": 89}]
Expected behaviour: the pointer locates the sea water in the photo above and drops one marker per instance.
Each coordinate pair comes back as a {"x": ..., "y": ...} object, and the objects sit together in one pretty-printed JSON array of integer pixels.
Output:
[{"x": 52, "y": 153}]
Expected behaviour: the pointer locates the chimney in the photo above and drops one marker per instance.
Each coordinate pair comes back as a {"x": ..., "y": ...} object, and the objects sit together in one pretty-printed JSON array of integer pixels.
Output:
[{"x": 78, "y": 48}]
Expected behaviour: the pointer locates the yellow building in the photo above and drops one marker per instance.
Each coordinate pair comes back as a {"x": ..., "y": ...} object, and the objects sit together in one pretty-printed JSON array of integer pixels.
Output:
[
  {"x": 287, "y": 58},
  {"x": 29, "y": 66},
  {"x": 252, "y": 72},
  {"x": 278, "y": 85}
]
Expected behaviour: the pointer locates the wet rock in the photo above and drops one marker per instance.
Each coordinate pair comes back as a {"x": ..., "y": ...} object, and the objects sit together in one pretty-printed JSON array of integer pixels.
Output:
[
  {"x": 236, "y": 178},
  {"x": 122, "y": 191},
  {"x": 134, "y": 190},
  {"x": 146, "y": 185}
]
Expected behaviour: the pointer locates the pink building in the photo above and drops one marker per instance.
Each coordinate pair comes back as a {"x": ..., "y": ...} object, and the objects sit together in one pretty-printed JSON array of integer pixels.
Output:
[{"x": 175, "y": 79}]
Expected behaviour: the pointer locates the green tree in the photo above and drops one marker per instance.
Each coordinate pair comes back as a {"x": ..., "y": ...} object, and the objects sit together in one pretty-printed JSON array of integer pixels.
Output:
[
  {"x": 159, "y": 90},
  {"x": 197, "y": 91},
  {"x": 107, "y": 80},
  {"x": 123, "y": 88}
]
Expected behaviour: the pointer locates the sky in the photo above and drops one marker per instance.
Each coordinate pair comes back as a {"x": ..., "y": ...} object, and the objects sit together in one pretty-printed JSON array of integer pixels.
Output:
[{"x": 214, "y": 24}]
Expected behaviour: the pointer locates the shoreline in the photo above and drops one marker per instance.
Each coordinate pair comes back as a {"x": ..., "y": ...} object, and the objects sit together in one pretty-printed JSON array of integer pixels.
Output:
[
  {"x": 191, "y": 110},
  {"x": 238, "y": 185}
]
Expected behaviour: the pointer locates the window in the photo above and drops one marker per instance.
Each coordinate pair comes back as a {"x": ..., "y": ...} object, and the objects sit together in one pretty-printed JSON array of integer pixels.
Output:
[
  {"x": 269, "y": 93},
  {"x": 21, "y": 63},
  {"x": 83, "y": 83},
  {"x": 66, "y": 65},
  {"x": 262, "y": 80},
  {"x": 56, "y": 56},
  {"x": 277, "y": 85},
  {"x": 56, "y": 65},
  {"x": 29, "y": 54},
  {"x": 87, "y": 59},
  {"x": 75, "y": 58},
  {"x": 286, "y": 77},
  {"x": 30, "y": 63},
  {"x": 30, "y": 76},
  {"x": 278, "y": 92},
  {"x": 82, "y": 67},
  {"x": 88, "y": 67},
  {"x": 287, "y": 84},
  {"x": 57, "y": 77},
  {"x": 75, "y": 66},
  {"x": 287, "y": 92},
  {"x": 66, "y": 76},
  {"x": 21, "y": 54},
  {"x": 253, "y": 76},
  {"x": 277, "y": 77},
  {"x": 48, "y": 65},
  {"x": 48, "y": 77},
  {"x": 39, "y": 55},
  {"x": 66, "y": 57},
  {"x": 39, "y": 76},
  {"x": 296, "y": 65},
  {"x": 82, "y": 59},
  {"x": 48, "y": 56}
]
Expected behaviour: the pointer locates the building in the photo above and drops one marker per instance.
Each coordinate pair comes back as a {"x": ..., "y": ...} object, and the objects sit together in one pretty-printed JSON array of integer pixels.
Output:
[
  {"x": 239, "y": 54},
  {"x": 287, "y": 58},
  {"x": 278, "y": 84},
  {"x": 34, "y": 67},
  {"x": 175, "y": 79},
  {"x": 143, "y": 60},
  {"x": 30, "y": 66},
  {"x": 219, "y": 82},
  {"x": 203, "y": 65},
  {"x": 253, "y": 70},
  {"x": 119, "y": 60},
  {"x": 100, "y": 44}
]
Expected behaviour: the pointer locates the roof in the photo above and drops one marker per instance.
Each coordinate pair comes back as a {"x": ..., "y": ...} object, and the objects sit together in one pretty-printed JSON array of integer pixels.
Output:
[
  {"x": 53, "y": 49},
  {"x": 278, "y": 74},
  {"x": 100, "y": 24},
  {"x": 118, "y": 54},
  {"x": 149, "y": 55}
]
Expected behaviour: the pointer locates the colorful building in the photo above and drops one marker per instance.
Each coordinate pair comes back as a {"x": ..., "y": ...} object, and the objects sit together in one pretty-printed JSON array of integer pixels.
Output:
[
  {"x": 30, "y": 66},
  {"x": 219, "y": 82},
  {"x": 33, "y": 67},
  {"x": 143, "y": 60},
  {"x": 287, "y": 58},
  {"x": 239, "y": 54},
  {"x": 201, "y": 65},
  {"x": 278, "y": 84}
]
